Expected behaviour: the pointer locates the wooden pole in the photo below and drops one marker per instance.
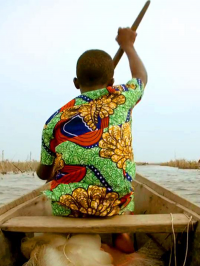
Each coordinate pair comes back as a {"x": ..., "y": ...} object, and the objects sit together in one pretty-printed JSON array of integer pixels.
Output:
[{"x": 134, "y": 27}]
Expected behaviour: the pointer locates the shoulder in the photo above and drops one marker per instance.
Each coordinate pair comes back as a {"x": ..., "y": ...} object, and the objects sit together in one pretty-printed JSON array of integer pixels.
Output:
[
  {"x": 133, "y": 90},
  {"x": 133, "y": 84},
  {"x": 57, "y": 113}
]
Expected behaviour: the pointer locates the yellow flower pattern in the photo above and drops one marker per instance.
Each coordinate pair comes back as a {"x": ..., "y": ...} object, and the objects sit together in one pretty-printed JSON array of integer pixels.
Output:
[
  {"x": 88, "y": 141},
  {"x": 70, "y": 112},
  {"x": 121, "y": 88},
  {"x": 94, "y": 201},
  {"x": 58, "y": 163},
  {"x": 102, "y": 107},
  {"x": 131, "y": 86},
  {"x": 116, "y": 144}
]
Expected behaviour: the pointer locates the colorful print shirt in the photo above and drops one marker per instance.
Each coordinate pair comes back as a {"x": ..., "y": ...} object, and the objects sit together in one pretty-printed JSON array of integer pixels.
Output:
[{"x": 89, "y": 143}]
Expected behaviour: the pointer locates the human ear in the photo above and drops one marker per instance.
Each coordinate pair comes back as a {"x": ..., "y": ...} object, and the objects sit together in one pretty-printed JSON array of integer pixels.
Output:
[{"x": 76, "y": 83}]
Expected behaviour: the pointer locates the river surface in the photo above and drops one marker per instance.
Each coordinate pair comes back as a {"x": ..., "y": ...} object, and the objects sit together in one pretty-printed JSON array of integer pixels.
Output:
[{"x": 186, "y": 183}]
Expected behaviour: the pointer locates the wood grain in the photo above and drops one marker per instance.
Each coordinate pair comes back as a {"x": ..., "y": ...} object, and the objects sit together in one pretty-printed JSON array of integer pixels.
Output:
[
  {"x": 134, "y": 27},
  {"x": 124, "y": 223},
  {"x": 22, "y": 199},
  {"x": 168, "y": 194}
]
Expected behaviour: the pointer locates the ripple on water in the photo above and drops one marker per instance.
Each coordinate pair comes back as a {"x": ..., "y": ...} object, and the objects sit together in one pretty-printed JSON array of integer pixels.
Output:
[
  {"x": 186, "y": 183},
  {"x": 14, "y": 186}
]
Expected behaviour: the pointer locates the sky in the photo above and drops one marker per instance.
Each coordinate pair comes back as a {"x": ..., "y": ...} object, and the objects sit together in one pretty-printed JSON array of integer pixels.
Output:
[{"x": 41, "y": 40}]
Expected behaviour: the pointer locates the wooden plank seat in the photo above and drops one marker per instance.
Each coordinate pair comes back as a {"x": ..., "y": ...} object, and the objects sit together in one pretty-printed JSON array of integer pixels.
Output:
[{"x": 148, "y": 223}]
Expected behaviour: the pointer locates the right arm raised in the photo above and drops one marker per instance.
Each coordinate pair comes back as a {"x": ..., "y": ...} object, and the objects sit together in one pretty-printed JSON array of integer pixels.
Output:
[{"x": 126, "y": 38}]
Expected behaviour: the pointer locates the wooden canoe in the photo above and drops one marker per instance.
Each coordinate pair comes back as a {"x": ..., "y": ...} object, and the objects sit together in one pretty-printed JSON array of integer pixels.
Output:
[{"x": 155, "y": 207}]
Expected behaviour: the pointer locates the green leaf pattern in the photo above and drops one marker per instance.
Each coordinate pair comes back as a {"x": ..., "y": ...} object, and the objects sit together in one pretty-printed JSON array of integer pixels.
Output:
[{"x": 73, "y": 154}]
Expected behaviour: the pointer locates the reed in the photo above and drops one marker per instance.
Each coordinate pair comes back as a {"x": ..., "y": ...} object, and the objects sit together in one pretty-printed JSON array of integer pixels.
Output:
[
  {"x": 142, "y": 163},
  {"x": 182, "y": 164},
  {"x": 18, "y": 167}
]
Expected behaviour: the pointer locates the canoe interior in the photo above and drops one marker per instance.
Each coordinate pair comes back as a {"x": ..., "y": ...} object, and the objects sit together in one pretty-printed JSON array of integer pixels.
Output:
[{"x": 150, "y": 198}]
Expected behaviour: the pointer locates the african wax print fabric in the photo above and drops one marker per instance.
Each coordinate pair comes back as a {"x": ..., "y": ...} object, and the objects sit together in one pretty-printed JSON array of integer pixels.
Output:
[{"x": 89, "y": 143}]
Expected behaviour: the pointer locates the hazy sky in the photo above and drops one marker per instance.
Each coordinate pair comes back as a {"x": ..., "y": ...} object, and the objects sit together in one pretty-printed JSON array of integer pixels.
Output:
[{"x": 41, "y": 40}]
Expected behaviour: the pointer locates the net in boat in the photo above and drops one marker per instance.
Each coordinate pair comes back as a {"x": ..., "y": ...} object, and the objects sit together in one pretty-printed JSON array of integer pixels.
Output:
[{"x": 79, "y": 250}]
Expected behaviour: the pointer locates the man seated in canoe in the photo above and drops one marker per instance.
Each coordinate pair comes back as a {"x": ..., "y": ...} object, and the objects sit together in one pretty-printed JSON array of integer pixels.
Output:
[{"x": 87, "y": 144}]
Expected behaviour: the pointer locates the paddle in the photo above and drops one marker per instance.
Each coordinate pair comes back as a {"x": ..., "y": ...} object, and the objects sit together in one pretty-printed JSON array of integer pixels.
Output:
[{"x": 134, "y": 27}]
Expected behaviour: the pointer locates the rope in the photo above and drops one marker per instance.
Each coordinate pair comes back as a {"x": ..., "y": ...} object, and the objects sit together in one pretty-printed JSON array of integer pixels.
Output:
[
  {"x": 186, "y": 252},
  {"x": 174, "y": 238},
  {"x": 170, "y": 259},
  {"x": 65, "y": 252}
]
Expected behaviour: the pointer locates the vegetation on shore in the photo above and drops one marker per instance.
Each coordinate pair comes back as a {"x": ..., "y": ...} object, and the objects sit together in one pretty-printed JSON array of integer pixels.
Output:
[
  {"x": 18, "y": 167},
  {"x": 182, "y": 164},
  {"x": 31, "y": 166},
  {"x": 141, "y": 163}
]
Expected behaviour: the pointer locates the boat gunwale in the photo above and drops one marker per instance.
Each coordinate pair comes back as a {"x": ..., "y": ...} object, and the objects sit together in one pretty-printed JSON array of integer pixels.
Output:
[
  {"x": 30, "y": 195},
  {"x": 16, "y": 207},
  {"x": 159, "y": 189}
]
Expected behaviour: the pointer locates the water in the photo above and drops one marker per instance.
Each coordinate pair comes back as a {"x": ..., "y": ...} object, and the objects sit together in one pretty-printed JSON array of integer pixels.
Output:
[
  {"x": 186, "y": 183},
  {"x": 13, "y": 186}
]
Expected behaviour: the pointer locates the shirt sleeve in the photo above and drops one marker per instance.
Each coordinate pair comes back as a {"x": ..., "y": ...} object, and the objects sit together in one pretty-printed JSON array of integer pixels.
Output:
[
  {"x": 136, "y": 90},
  {"x": 133, "y": 91},
  {"x": 47, "y": 156}
]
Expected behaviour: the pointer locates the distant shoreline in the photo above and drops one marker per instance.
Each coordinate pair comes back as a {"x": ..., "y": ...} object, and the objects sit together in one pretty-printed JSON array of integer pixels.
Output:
[
  {"x": 18, "y": 167},
  {"x": 180, "y": 163},
  {"x": 31, "y": 166}
]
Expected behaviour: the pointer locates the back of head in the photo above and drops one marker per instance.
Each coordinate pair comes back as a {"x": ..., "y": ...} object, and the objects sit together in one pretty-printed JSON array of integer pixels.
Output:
[{"x": 94, "y": 67}]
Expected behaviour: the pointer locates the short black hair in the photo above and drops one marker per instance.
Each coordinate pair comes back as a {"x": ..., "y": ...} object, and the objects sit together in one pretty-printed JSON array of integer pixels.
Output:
[{"x": 94, "y": 67}]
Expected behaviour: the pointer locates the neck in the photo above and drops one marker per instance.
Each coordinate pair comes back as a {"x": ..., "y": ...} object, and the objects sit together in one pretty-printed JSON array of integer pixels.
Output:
[{"x": 92, "y": 88}]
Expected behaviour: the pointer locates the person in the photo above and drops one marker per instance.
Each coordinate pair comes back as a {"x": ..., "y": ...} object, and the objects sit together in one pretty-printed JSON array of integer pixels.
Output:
[{"x": 87, "y": 144}]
